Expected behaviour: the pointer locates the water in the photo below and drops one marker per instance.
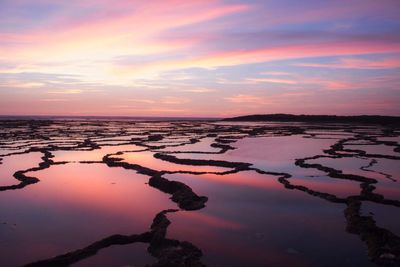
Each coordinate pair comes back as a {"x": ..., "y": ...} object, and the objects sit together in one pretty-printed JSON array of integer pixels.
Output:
[{"x": 264, "y": 207}]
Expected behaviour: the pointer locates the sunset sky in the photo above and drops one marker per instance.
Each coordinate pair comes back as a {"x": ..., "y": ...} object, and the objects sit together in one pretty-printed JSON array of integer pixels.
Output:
[{"x": 207, "y": 58}]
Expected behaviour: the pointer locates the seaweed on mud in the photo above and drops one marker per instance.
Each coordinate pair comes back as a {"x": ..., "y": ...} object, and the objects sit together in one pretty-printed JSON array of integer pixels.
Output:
[
  {"x": 383, "y": 246},
  {"x": 181, "y": 193},
  {"x": 169, "y": 252},
  {"x": 201, "y": 162}
]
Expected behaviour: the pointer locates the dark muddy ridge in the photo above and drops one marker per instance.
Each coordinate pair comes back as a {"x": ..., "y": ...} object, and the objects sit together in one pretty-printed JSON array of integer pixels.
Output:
[{"x": 166, "y": 143}]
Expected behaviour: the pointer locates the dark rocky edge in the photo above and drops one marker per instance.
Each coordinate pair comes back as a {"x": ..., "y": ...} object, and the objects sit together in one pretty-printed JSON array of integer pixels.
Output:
[
  {"x": 383, "y": 245},
  {"x": 200, "y": 162},
  {"x": 27, "y": 180},
  {"x": 169, "y": 252},
  {"x": 181, "y": 193}
]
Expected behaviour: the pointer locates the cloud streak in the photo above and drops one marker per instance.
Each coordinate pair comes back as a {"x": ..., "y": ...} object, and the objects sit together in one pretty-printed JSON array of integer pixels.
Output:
[{"x": 189, "y": 57}]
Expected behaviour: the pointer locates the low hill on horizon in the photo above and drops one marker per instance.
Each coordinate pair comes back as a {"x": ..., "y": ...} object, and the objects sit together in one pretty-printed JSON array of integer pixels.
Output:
[{"x": 372, "y": 119}]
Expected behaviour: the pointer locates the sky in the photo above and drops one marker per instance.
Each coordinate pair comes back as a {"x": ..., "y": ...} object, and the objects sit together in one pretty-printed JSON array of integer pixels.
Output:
[{"x": 201, "y": 58}]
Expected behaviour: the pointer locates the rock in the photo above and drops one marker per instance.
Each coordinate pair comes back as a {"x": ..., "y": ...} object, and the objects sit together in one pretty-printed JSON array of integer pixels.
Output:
[{"x": 155, "y": 137}]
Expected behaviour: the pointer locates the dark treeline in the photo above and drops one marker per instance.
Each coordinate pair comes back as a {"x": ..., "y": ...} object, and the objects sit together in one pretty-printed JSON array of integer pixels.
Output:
[{"x": 375, "y": 119}]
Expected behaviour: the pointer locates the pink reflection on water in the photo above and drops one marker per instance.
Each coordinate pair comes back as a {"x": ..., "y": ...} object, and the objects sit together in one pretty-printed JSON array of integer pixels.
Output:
[
  {"x": 11, "y": 164},
  {"x": 72, "y": 206},
  {"x": 385, "y": 216},
  {"x": 274, "y": 222},
  {"x": 374, "y": 149},
  {"x": 245, "y": 178},
  {"x": 388, "y": 166},
  {"x": 276, "y": 153},
  {"x": 387, "y": 187},
  {"x": 204, "y": 145},
  {"x": 91, "y": 155},
  {"x": 338, "y": 187},
  {"x": 347, "y": 165},
  {"x": 280, "y": 148},
  {"x": 211, "y": 221}
]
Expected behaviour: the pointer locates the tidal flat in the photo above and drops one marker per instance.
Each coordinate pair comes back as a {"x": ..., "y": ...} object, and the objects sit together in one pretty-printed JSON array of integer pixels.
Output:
[{"x": 198, "y": 193}]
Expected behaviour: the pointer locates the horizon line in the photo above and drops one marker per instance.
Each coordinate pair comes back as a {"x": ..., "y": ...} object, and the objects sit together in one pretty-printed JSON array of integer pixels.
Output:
[{"x": 200, "y": 117}]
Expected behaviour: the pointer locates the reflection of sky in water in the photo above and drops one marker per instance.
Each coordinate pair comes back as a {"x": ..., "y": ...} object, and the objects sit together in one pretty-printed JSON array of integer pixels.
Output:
[
  {"x": 385, "y": 216},
  {"x": 374, "y": 149},
  {"x": 338, "y": 187},
  {"x": 204, "y": 145},
  {"x": 385, "y": 186},
  {"x": 14, "y": 163},
  {"x": 72, "y": 206},
  {"x": 272, "y": 153},
  {"x": 90, "y": 155},
  {"x": 252, "y": 220},
  {"x": 389, "y": 166},
  {"x": 249, "y": 220},
  {"x": 347, "y": 165}
]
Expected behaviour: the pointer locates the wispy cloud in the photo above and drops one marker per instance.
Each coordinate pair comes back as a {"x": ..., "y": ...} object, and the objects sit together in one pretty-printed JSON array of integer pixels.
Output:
[
  {"x": 198, "y": 90},
  {"x": 165, "y": 100},
  {"x": 174, "y": 100},
  {"x": 144, "y": 57},
  {"x": 138, "y": 100},
  {"x": 276, "y": 73},
  {"x": 22, "y": 84},
  {"x": 66, "y": 92},
  {"x": 54, "y": 100},
  {"x": 356, "y": 63},
  {"x": 270, "y": 80},
  {"x": 244, "y": 98}
]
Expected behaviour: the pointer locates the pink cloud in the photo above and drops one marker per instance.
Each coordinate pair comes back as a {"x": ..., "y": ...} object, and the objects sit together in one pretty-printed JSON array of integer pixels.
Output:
[
  {"x": 112, "y": 33},
  {"x": 271, "y": 80},
  {"x": 283, "y": 52},
  {"x": 244, "y": 98},
  {"x": 353, "y": 63},
  {"x": 136, "y": 48}
]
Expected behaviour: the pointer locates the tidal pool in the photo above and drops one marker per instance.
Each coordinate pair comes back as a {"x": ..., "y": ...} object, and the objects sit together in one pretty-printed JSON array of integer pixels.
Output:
[
  {"x": 92, "y": 193},
  {"x": 251, "y": 220},
  {"x": 72, "y": 206},
  {"x": 14, "y": 163}
]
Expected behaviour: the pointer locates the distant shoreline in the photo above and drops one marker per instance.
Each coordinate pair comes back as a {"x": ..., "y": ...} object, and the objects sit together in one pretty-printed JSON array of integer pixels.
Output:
[
  {"x": 369, "y": 119},
  {"x": 366, "y": 119}
]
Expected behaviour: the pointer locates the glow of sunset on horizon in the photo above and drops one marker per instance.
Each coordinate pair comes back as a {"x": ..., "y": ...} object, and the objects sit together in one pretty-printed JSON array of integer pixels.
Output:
[{"x": 203, "y": 58}]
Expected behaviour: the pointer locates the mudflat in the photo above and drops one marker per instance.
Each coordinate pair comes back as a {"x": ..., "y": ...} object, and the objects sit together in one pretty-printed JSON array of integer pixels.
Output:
[{"x": 199, "y": 193}]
